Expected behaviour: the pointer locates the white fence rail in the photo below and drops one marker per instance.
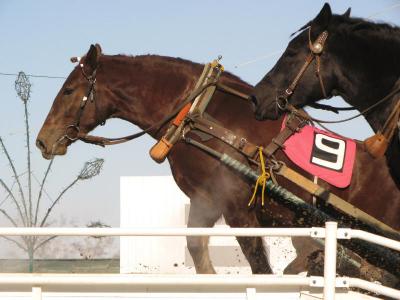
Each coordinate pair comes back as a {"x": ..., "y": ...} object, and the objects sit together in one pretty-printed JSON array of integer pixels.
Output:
[{"x": 180, "y": 283}]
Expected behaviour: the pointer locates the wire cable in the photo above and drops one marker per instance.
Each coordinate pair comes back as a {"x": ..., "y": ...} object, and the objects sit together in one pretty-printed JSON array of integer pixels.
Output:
[
  {"x": 34, "y": 75},
  {"x": 273, "y": 53},
  {"x": 263, "y": 57}
]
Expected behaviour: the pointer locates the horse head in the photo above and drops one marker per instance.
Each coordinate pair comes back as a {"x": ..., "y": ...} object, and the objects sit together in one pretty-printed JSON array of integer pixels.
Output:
[
  {"x": 322, "y": 60},
  {"x": 74, "y": 110}
]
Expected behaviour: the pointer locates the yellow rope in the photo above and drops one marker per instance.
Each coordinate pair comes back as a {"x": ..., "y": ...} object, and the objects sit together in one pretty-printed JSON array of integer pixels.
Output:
[{"x": 261, "y": 180}]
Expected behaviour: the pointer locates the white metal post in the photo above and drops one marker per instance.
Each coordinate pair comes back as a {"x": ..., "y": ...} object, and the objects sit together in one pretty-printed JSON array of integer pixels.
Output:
[
  {"x": 251, "y": 294},
  {"x": 36, "y": 293},
  {"x": 330, "y": 260},
  {"x": 113, "y": 283}
]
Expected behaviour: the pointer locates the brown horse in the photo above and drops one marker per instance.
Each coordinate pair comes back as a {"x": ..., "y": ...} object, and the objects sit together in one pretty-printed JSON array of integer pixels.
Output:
[{"x": 143, "y": 90}]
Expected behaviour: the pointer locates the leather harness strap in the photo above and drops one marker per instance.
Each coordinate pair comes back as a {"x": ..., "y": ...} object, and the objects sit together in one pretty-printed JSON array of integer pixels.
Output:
[
  {"x": 334, "y": 109},
  {"x": 229, "y": 90},
  {"x": 250, "y": 151},
  {"x": 237, "y": 142},
  {"x": 383, "y": 136},
  {"x": 391, "y": 123},
  {"x": 103, "y": 141},
  {"x": 293, "y": 124}
]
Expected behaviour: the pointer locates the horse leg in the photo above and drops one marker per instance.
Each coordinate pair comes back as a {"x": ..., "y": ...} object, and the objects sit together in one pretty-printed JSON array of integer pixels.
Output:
[
  {"x": 306, "y": 249},
  {"x": 200, "y": 216},
  {"x": 252, "y": 247}
]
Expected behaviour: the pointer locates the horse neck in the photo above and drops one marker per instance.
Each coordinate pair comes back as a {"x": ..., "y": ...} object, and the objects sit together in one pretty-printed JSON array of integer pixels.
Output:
[
  {"x": 143, "y": 90},
  {"x": 368, "y": 76}
]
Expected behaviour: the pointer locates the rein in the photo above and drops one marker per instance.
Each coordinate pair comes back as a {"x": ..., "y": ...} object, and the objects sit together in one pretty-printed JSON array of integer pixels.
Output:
[
  {"x": 103, "y": 141},
  {"x": 249, "y": 150},
  {"x": 73, "y": 132},
  {"x": 292, "y": 109},
  {"x": 254, "y": 154},
  {"x": 316, "y": 49}
]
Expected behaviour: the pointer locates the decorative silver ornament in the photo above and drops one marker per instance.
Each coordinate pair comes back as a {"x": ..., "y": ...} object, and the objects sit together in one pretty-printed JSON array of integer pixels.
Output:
[{"x": 317, "y": 48}]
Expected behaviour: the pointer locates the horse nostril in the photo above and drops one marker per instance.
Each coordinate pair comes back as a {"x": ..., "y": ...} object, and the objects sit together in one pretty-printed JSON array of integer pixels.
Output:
[{"x": 40, "y": 145}]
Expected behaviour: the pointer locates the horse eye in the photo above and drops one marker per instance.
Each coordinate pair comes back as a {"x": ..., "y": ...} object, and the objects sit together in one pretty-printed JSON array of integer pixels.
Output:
[{"x": 68, "y": 91}]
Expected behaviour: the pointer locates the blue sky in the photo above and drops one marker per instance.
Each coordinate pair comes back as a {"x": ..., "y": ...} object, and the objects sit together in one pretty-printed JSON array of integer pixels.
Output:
[{"x": 39, "y": 37}]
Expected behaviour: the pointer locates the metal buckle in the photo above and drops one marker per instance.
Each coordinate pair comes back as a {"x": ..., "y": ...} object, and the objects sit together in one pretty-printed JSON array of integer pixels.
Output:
[
  {"x": 242, "y": 143},
  {"x": 68, "y": 134},
  {"x": 276, "y": 165},
  {"x": 289, "y": 91}
]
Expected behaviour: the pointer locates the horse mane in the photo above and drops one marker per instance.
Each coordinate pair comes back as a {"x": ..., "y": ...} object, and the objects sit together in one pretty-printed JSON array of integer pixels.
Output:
[
  {"x": 154, "y": 59},
  {"x": 354, "y": 24}
]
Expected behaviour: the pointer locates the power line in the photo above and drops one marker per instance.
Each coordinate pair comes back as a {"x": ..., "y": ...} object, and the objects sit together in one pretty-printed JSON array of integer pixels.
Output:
[
  {"x": 263, "y": 57},
  {"x": 389, "y": 8},
  {"x": 271, "y": 54},
  {"x": 260, "y": 58},
  {"x": 34, "y": 75}
]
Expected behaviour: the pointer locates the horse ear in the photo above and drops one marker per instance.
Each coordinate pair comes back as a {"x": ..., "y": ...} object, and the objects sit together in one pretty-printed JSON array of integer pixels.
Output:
[
  {"x": 98, "y": 47},
  {"x": 347, "y": 13},
  {"x": 93, "y": 56},
  {"x": 323, "y": 19}
]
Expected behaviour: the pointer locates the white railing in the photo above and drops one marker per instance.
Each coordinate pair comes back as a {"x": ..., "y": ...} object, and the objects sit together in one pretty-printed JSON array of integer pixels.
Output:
[{"x": 180, "y": 283}]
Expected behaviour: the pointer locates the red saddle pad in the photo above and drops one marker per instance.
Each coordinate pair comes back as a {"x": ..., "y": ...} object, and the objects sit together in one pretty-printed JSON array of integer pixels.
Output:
[{"x": 323, "y": 154}]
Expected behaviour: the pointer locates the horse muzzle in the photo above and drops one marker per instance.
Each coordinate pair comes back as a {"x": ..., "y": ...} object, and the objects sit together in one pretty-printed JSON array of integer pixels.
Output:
[{"x": 49, "y": 151}]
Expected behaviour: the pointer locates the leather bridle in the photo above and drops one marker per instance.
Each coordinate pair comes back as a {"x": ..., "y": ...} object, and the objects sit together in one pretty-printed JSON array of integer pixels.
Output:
[
  {"x": 316, "y": 50},
  {"x": 73, "y": 132}
]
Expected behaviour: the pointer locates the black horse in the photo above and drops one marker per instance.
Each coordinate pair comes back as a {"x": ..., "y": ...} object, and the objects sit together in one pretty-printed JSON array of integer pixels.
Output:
[{"x": 339, "y": 55}]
